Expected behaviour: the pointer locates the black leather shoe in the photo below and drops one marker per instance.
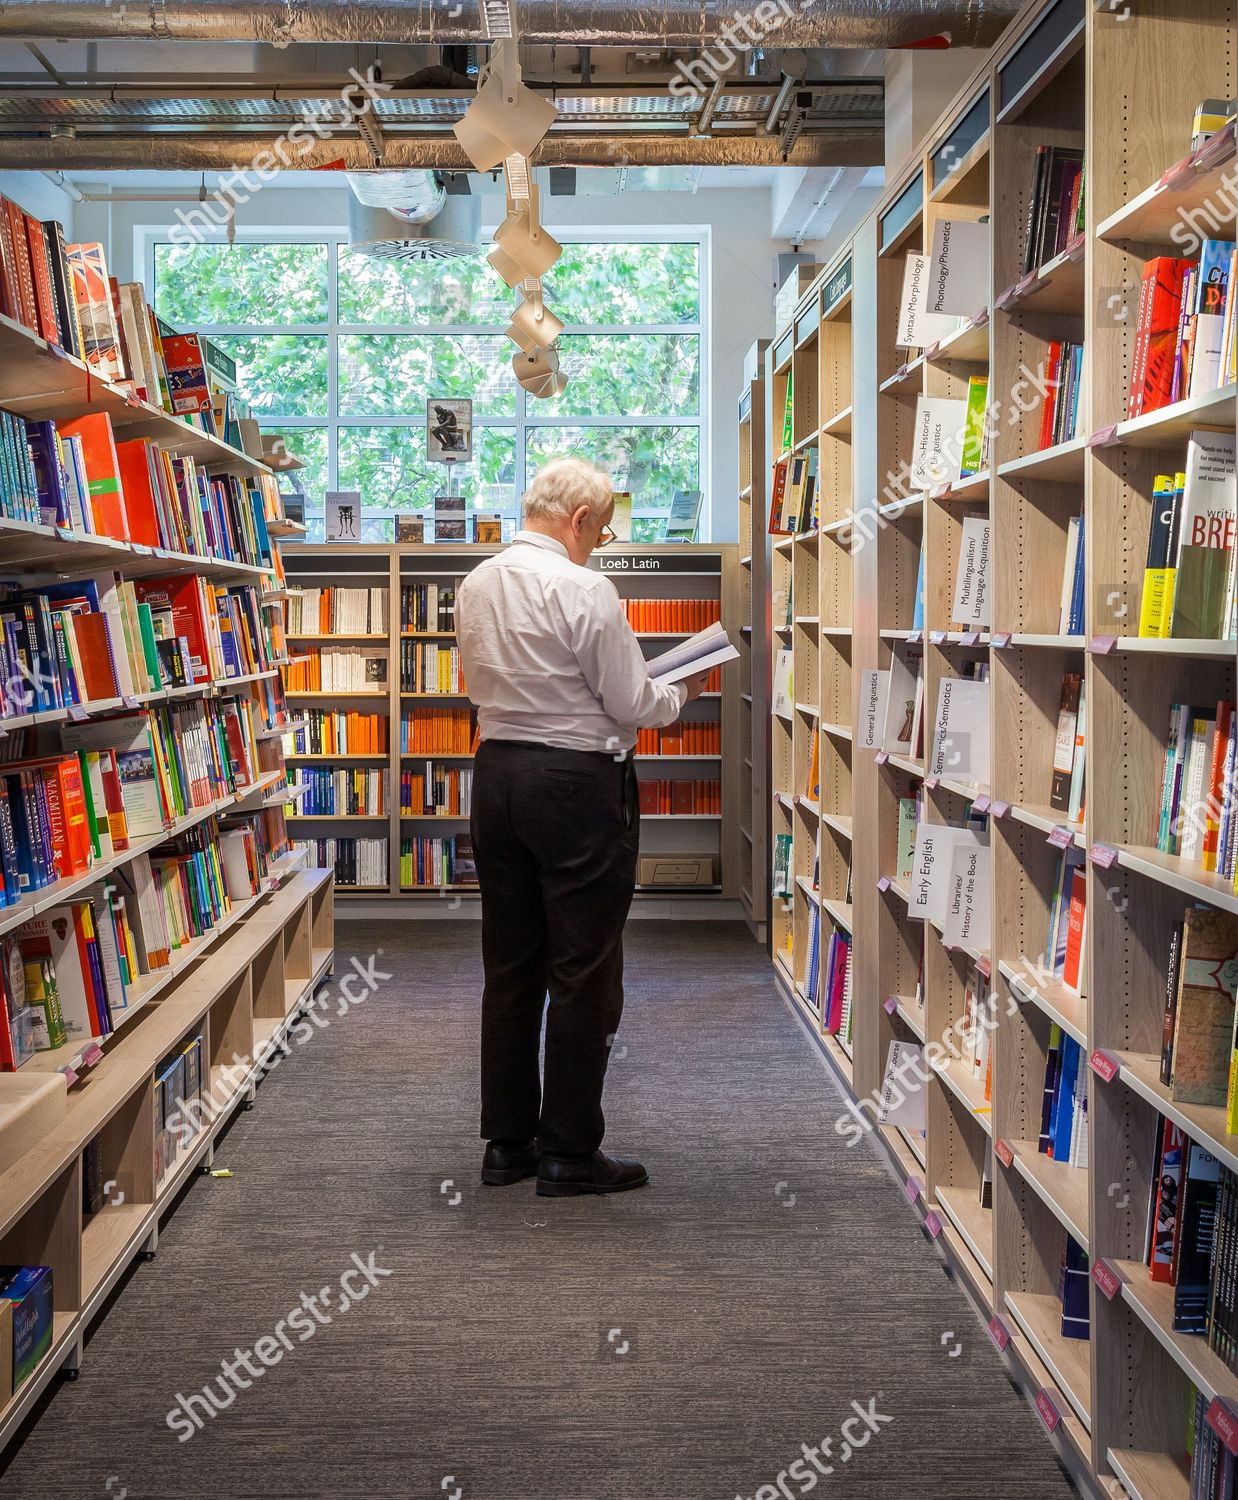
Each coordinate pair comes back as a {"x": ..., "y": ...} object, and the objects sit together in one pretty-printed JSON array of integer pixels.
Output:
[
  {"x": 558, "y": 1177},
  {"x": 503, "y": 1165}
]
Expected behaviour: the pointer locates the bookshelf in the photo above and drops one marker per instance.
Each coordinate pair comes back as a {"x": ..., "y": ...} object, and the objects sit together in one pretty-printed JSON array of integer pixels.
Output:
[
  {"x": 662, "y": 574},
  {"x": 1115, "y": 1405},
  {"x": 239, "y": 984},
  {"x": 753, "y": 642}
]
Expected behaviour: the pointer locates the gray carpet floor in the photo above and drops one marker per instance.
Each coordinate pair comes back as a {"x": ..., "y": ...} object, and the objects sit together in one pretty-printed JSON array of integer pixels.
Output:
[{"x": 676, "y": 1343}]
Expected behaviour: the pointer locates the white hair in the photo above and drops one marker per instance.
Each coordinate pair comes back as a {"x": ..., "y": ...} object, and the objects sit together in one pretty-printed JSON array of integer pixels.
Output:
[{"x": 562, "y": 486}]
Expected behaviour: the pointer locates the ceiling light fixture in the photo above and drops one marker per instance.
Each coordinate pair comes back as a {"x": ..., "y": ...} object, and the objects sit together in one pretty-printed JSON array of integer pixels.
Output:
[
  {"x": 539, "y": 373},
  {"x": 505, "y": 118},
  {"x": 533, "y": 325}
]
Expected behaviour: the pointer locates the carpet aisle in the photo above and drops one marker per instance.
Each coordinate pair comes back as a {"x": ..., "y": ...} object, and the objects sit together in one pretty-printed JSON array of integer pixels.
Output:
[{"x": 676, "y": 1343}]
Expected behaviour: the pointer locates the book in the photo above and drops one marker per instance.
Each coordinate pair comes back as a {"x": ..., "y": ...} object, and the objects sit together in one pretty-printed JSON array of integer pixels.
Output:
[
  {"x": 1194, "y": 1236},
  {"x": 1074, "y": 1286},
  {"x": 1155, "y": 605},
  {"x": 1212, "y": 294},
  {"x": 1203, "y": 584},
  {"x": 1057, "y": 185},
  {"x": 1156, "y": 334},
  {"x": 1171, "y": 1005},
  {"x": 1064, "y": 741},
  {"x": 908, "y": 816},
  {"x": 976, "y": 429},
  {"x": 708, "y": 648},
  {"x": 1204, "y": 1024},
  {"x": 1076, "y": 931}
]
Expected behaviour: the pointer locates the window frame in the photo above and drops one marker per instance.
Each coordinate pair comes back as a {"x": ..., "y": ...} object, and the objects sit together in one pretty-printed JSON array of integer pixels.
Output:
[{"x": 529, "y": 412}]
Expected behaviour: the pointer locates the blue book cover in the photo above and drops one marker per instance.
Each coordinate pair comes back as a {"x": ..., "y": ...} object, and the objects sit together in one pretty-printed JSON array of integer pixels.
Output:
[
  {"x": 49, "y": 477},
  {"x": 1075, "y": 623},
  {"x": 10, "y": 884},
  {"x": 1073, "y": 1289},
  {"x": 917, "y": 618},
  {"x": 1064, "y": 1108}
]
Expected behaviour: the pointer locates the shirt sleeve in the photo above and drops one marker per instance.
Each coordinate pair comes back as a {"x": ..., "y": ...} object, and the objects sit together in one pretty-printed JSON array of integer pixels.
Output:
[{"x": 614, "y": 666}]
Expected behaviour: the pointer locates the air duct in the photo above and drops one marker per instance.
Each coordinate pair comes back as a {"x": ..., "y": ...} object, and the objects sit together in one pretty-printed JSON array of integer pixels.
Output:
[
  {"x": 413, "y": 196},
  {"x": 451, "y": 233},
  {"x": 682, "y": 23}
]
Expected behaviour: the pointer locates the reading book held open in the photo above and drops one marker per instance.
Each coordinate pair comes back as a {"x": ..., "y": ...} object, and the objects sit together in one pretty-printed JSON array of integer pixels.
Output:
[{"x": 707, "y": 648}]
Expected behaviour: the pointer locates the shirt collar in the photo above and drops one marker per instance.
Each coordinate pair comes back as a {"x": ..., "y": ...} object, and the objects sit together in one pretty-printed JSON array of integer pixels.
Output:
[{"x": 540, "y": 539}]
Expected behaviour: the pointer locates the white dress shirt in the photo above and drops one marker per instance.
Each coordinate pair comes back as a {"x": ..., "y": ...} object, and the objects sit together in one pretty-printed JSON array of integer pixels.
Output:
[{"x": 549, "y": 656}]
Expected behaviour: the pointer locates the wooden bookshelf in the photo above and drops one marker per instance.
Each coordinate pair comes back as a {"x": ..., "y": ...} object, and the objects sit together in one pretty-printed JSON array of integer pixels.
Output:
[
  {"x": 753, "y": 644},
  {"x": 655, "y": 571},
  {"x": 239, "y": 985},
  {"x": 1108, "y": 80}
]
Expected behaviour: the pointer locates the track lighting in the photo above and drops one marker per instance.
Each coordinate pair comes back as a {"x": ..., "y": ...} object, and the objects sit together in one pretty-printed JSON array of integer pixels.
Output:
[
  {"x": 522, "y": 244},
  {"x": 505, "y": 118},
  {"x": 539, "y": 373},
  {"x": 533, "y": 325}
]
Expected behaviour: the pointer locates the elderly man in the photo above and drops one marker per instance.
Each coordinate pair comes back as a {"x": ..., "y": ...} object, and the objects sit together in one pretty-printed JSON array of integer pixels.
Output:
[{"x": 561, "y": 688}]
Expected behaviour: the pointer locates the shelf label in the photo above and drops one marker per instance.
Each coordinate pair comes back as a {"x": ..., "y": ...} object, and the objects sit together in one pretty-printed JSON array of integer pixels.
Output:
[
  {"x": 1106, "y": 1278},
  {"x": 982, "y": 803},
  {"x": 1102, "y": 645},
  {"x": 70, "y": 1076},
  {"x": 883, "y": 883},
  {"x": 913, "y": 1188},
  {"x": 77, "y": 713},
  {"x": 971, "y": 637},
  {"x": 999, "y": 809},
  {"x": 936, "y": 637},
  {"x": 1026, "y": 283},
  {"x": 939, "y": 491},
  {"x": 933, "y": 350},
  {"x": 932, "y": 1223},
  {"x": 142, "y": 549},
  {"x": 1104, "y": 1066},
  {"x": 890, "y": 1005},
  {"x": 914, "y": 637},
  {"x": 1061, "y": 837},
  {"x": 129, "y": 701},
  {"x": 1103, "y": 855},
  {"x": 132, "y": 400},
  {"x": 901, "y": 373},
  {"x": 1006, "y": 296},
  {"x": 999, "y": 1333},
  {"x": 882, "y": 756},
  {"x": 64, "y": 533},
  {"x": 1003, "y": 1152},
  {"x": 1001, "y": 640},
  {"x": 1075, "y": 246},
  {"x": 931, "y": 783},
  {"x": 92, "y": 1055},
  {"x": 1223, "y": 1422},
  {"x": 1047, "y": 1411},
  {"x": 979, "y": 319},
  {"x": 1104, "y": 437}
]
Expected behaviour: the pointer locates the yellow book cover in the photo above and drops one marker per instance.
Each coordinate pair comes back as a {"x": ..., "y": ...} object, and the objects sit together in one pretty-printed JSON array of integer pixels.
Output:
[{"x": 1156, "y": 571}]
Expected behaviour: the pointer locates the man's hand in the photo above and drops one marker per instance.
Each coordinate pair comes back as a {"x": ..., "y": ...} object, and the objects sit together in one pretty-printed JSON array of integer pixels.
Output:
[{"x": 695, "y": 685}]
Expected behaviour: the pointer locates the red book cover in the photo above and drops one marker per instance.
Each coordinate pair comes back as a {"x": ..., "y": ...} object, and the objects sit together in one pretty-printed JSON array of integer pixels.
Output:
[
  {"x": 107, "y": 497},
  {"x": 649, "y": 796},
  {"x": 68, "y": 772},
  {"x": 94, "y": 645},
  {"x": 16, "y": 222},
  {"x": 141, "y": 506},
  {"x": 1074, "y": 930},
  {"x": 118, "y": 827},
  {"x": 1152, "y": 381},
  {"x": 775, "y": 500},
  {"x": 1168, "y": 1189},
  {"x": 182, "y": 596},
  {"x": 681, "y": 797},
  {"x": 44, "y": 293},
  {"x": 187, "y": 378},
  {"x": 1053, "y": 374},
  {"x": 10, "y": 287},
  {"x": 1216, "y": 785}
]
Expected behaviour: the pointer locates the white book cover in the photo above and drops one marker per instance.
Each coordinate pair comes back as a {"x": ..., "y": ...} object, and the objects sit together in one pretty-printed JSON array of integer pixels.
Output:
[
  {"x": 1068, "y": 573},
  {"x": 961, "y": 731},
  {"x": 968, "y": 919},
  {"x": 135, "y": 760},
  {"x": 784, "y": 684},
  {"x": 902, "y": 1088},
  {"x": 917, "y": 713},
  {"x": 931, "y": 868},
  {"x": 900, "y": 702},
  {"x": 232, "y": 845},
  {"x": 874, "y": 696},
  {"x": 917, "y": 326},
  {"x": 937, "y": 442},
  {"x": 971, "y": 583},
  {"x": 109, "y": 952},
  {"x": 958, "y": 279},
  {"x": 56, "y": 930},
  {"x": 707, "y": 648}
]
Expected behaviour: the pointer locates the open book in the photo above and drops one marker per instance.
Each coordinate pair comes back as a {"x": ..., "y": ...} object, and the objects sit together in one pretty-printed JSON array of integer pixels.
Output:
[{"x": 707, "y": 648}]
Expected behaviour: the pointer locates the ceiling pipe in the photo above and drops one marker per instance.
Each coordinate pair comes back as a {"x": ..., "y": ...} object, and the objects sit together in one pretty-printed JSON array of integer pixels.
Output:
[
  {"x": 237, "y": 154},
  {"x": 688, "y": 23}
]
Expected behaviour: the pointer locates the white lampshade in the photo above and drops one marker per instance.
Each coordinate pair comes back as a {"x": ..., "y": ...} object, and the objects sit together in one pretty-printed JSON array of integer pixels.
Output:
[{"x": 534, "y": 326}]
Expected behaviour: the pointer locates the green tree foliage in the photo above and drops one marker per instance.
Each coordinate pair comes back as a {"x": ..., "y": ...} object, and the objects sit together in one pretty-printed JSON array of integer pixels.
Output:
[{"x": 385, "y": 375}]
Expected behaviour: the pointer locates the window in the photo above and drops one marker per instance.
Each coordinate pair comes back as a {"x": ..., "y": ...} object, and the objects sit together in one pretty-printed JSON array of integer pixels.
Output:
[{"x": 338, "y": 353}]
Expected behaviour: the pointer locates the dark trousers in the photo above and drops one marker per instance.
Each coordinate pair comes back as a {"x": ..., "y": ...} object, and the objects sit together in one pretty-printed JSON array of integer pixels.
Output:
[{"x": 555, "y": 835}]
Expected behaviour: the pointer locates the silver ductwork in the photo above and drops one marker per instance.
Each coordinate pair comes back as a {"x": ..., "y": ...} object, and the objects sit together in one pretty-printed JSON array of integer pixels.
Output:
[
  {"x": 412, "y": 196},
  {"x": 671, "y": 23},
  {"x": 452, "y": 231}
]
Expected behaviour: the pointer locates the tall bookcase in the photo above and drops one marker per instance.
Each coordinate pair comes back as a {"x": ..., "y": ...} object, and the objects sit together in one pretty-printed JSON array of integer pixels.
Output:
[
  {"x": 1120, "y": 83},
  {"x": 657, "y": 572},
  {"x": 753, "y": 644},
  {"x": 239, "y": 985}
]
